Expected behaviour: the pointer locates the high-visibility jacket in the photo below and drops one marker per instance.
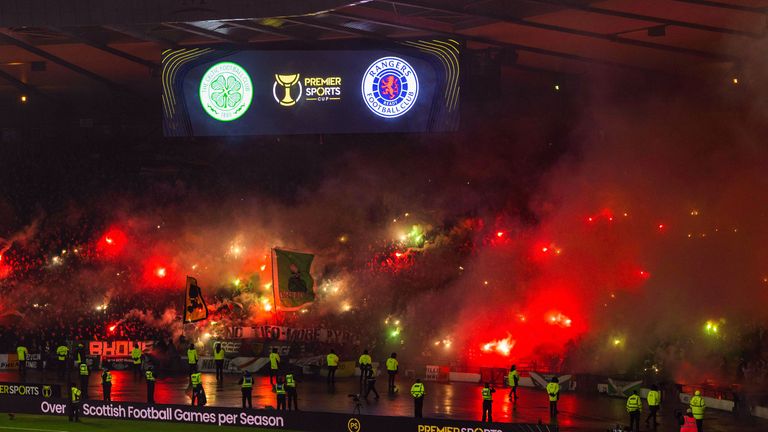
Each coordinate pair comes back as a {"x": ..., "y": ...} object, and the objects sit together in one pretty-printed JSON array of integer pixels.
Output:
[
  {"x": 689, "y": 424},
  {"x": 634, "y": 403},
  {"x": 274, "y": 359},
  {"x": 332, "y": 359},
  {"x": 417, "y": 390},
  {"x": 150, "y": 376},
  {"x": 392, "y": 364},
  {"x": 218, "y": 355},
  {"x": 365, "y": 359},
  {"x": 136, "y": 356},
  {"x": 197, "y": 378},
  {"x": 78, "y": 356},
  {"x": 21, "y": 353},
  {"x": 247, "y": 382},
  {"x": 654, "y": 398},
  {"x": 289, "y": 381},
  {"x": 512, "y": 378},
  {"x": 553, "y": 390},
  {"x": 83, "y": 369},
  {"x": 75, "y": 393},
  {"x": 697, "y": 407},
  {"x": 487, "y": 393},
  {"x": 192, "y": 356},
  {"x": 61, "y": 352},
  {"x": 106, "y": 377},
  {"x": 280, "y": 389}
]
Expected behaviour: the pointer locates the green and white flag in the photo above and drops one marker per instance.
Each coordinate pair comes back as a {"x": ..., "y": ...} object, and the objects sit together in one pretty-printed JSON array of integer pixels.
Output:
[{"x": 292, "y": 281}]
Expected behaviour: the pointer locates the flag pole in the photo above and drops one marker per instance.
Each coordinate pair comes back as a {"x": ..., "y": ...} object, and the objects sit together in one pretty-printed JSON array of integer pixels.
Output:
[{"x": 274, "y": 286}]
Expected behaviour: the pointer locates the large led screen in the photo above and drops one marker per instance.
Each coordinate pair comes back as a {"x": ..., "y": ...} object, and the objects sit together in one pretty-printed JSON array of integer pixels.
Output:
[{"x": 214, "y": 92}]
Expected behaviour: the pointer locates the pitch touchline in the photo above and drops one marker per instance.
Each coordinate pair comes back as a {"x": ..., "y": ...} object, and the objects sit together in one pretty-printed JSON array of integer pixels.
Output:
[{"x": 30, "y": 429}]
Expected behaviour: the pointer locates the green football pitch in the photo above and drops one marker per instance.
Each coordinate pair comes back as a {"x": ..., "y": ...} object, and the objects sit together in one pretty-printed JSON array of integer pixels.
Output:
[{"x": 37, "y": 423}]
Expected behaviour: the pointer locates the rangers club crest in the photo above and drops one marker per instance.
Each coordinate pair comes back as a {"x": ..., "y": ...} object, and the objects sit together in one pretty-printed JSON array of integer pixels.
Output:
[{"x": 390, "y": 87}]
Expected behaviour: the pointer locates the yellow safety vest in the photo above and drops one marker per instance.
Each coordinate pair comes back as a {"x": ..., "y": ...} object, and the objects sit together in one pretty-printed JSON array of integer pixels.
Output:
[
  {"x": 654, "y": 398},
  {"x": 280, "y": 389},
  {"x": 634, "y": 403},
  {"x": 289, "y": 381},
  {"x": 218, "y": 355},
  {"x": 487, "y": 395},
  {"x": 365, "y": 359},
  {"x": 391, "y": 364},
  {"x": 332, "y": 360},
  {"x": 273, "y": 359},
  {"x": 417, "y": 390},
  {"x": 106, "y": 377},
  {"x": 136, "y": 356},
  {"x": 62, "y": 352},
  {"x": 511, "y": 381},
  {"x": 83, "y": 369},
  {"x": 697, "y": 407},
  {"x": 192, "y": 356},
  {"x": 21, "y": 353},
  {"x": 196, "y": 379},
  {"x": 75, "y": 394},
  {"x": 150, "y": 375},
  {"x": 553, "y": 390},
  {"x": 247, "y": 382}
]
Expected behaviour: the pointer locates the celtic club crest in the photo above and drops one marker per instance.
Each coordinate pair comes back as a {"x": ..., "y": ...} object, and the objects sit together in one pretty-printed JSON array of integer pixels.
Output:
[{"x": 226, "y": 91}]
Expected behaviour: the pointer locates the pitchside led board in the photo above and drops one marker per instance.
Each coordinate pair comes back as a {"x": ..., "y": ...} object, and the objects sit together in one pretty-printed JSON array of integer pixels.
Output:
[{"x": 411, "y": 88}]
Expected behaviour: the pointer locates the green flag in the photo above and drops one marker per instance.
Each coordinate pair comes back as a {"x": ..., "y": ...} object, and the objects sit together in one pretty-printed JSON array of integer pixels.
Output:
[{"x": 293, "y": 283}]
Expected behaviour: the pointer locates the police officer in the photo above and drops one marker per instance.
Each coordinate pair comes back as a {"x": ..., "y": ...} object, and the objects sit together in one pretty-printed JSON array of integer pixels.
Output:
[
  {"x": 333, "y": 363},
  {"x": 22, "y": 354},
  {"x": 197, "y": 387},
  {"x": 136, "y": 357},
  {"x": 106, "y": 384},
  {"x": 370, "y": 383},
  {"x": 74, "y": 403},
  {"x": 274, "y": 365},
  {"x": 364, "y": 363},
  {"x": 697, "y": 408},
  {"x": 553, "y": 390},
  {"x": 150, "y": 376},
  {"x": 487, "y": 393},
  {"x": 290, "y": 390},
  {"x": 417, "y": 391},
  {"x": 61, "y": 357},
  {"x": 79, "y": 356},
  {"x": 513, "y": 377},
  {"x": 84, "y": 375},
  {"x": 654, "y": 402},
  {"x": 192, "y": 358},
  {"x": 392, "y": 366},
  {"x": 246, "y": 387},
  {"x": 218, "y": 357},
  {"x": 280, "y": 391},
  {"x": 634, "y": 408}
]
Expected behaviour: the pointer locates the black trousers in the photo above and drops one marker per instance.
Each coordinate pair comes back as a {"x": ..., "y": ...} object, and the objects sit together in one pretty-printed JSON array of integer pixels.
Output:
[
  {"x": 418, "y": 405},
  {"x": 363, "y": 376},
  {"x": 513, "y": 391},
  {"x": 62, "y": 366},
  {"x": 84, "y": 385},
  {"x": 272, "y": 375},
  {"x": 391, "y": 382},
  {"x": 137, "y": 370},
  {"x": 371, "y": 387},
  {"x": 281, "y": 402},
  {"x": 150, "y": 392},
  {"x": 488, "y": 410},
  {"x": 247, "y": 396},
  {"x": 652, "y": 415},
  {"x": 219, "y": 370},
  {"x": 332, "y": 374},
  {"x": 192, "y": 368},
  {"x": 23, "y": 368},
  {"x": 196, "y": 390},
  {"x": 74, "y": 411},
  {"x": 106, "y": 391},
  {"x": 552, "y": 408},
  {"x": 700, "y": 425},
  {"x": 293, "y": 398},
  {"x": 634, "y": 421}
]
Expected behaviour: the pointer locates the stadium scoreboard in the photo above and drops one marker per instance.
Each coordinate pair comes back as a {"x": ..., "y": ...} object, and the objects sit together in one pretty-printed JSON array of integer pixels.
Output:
[{"x": 212, "y": 92}]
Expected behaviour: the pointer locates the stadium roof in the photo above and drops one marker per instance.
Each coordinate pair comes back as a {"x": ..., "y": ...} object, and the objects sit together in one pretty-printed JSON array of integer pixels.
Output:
[{"x": 55, "y": 46}]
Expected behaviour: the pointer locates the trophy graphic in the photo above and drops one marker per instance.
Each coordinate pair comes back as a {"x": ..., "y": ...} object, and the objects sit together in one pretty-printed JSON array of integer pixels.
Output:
[{"x": 287, "y": 81}]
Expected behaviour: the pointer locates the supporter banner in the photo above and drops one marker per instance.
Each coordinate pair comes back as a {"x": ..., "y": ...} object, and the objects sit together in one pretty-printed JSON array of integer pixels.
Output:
[
  {"x": 292, "y": 281},
  {"x": 269, "y": 419},
  {"x": 194, "y": 303},
  {"x": 30, "y": 390},
  {"x": 121, "y": 348},
  {"x": 287, "y": 334},
  {"x": 10, "y": 361}
]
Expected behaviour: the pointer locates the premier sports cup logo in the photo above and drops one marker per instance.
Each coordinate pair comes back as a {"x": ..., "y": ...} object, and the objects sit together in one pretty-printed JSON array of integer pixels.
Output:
[
  {"x": 226, "y": 91},
  {"x": 390, "y": 87}
]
